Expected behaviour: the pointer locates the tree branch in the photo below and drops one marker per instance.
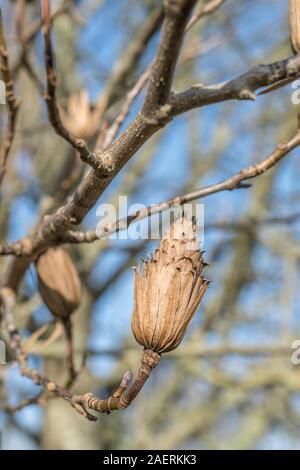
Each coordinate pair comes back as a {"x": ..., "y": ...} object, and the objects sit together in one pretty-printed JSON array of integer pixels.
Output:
[
  {"x": 128, "y": 60},
  {"x": 31, "y": 33},
  {"x": 177, "y": 14},
  {"x": 241, "y": 88},
  {"x": 12, "y": 103},
  {"x": 204, "y": 10},
  {"x": 130, "y": 97},
  {"x": 120, "y": 399},
  {"x": 50, "y": 97},
  {"x": 7, "y": 302}
]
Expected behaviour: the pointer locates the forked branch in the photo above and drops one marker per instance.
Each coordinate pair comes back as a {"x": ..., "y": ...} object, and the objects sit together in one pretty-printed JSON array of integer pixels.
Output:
[
  {"x": 120, "y": 399},
  {"x": 54, "y": 115}
]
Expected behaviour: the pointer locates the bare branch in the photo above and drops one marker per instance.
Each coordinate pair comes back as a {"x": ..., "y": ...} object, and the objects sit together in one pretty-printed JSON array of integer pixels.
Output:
[
  {"x": 68, "y": 327},
  {"x": 203, "y": 11},
  {"x": 130, "y": 97},
  {"x": 23, "y": 404},
  {"x": 7, "y": 301},
  {"x": 240, "y": 88},
  {"x": 277, "y": 85},
  {"x": 52, "y": 107},
  {"x": 177, "y": 14},
  {"x": 12, "y": 103},
  {"x": 81, "y": 403},
  {"x": 20, "y": 18},
  {"x": 31, "y": 33},
  {"x": 128, "y": 60}
]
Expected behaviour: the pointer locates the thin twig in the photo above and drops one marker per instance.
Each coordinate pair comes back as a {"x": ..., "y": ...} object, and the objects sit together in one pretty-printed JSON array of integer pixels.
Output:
[
  {"x": 126, "y": 64},
  {"x": 70, "y": 353},
  {"x": 12, "y": 103},
  {"x": 243, "y": 87},
  {"x": 120, "y": 399},
  {"x": 7, "y": 301},
  {"x": 52, "y": 107},
  {"x": 277, "y": 85},
  {"x": 203, "y": 11},
  {"x": 162, "y": 72},
  {"x": 130, "y": 97},
  {"x": 10, "y": 409},
  {"x": 20, "y": 18},
  {"x": 30, "y": 34},
  {"x": 123, "y": 396}
]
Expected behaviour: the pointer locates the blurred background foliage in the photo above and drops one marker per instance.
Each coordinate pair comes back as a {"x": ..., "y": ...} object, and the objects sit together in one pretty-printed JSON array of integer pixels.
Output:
[{"x": 231, "y": 383}]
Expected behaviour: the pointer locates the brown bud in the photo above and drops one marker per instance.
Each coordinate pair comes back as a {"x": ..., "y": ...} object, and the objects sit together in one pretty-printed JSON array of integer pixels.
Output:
[
  {"x": 294, "y": 23},
  {"x": 58, "y": 281},
  {"x": 169, "y": 289}
]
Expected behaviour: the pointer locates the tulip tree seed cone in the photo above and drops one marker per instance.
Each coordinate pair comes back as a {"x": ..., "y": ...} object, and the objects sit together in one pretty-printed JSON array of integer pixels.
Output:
[
  {"x": 294, "y": 23},
  {"x": 168, "y": 289},
  {"x": 58, "y": 282}
]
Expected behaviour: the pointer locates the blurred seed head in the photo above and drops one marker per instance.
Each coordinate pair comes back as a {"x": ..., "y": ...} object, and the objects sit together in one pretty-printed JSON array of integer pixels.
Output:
[
  {"x": 79, "y": 117},
  {"x": 58, "y": 282}
]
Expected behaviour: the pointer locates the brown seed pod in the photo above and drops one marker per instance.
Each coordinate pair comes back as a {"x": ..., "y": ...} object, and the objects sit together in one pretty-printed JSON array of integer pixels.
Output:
[
  {"x": 169, "y": 289},
  {"x": 294, "y": 24},
  {"x": 58, "y": 282}
]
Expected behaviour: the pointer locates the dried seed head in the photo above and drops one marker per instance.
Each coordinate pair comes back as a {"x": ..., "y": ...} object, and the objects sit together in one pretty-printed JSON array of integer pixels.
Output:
[
  {"x": 169, "y": 289},
  {"x": 294, "y": 23},
  {"x": 58, "y": 282},
  {"x": 79, "y": 118}
]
